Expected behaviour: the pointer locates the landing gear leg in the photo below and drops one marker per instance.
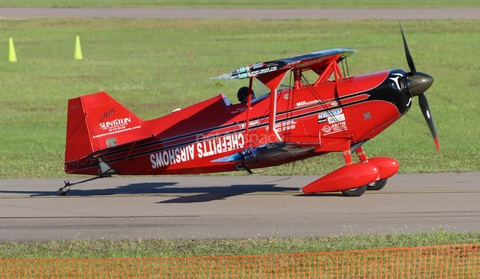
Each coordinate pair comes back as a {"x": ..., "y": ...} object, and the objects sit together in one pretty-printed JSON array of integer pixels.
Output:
[
  {"x": 354, "y": 192},
  {"x": 361, "y": 155},
  {"x": 65, "y": 189},
  {"x": 386, "y": 166}
]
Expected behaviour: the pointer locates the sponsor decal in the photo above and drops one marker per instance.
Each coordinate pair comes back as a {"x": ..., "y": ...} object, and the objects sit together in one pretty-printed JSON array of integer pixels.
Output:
[
  {"x": 219, "y": 145},
  {"x": 329, "y": 113},
  {"x": 116, "y": 126},
  {"x": 204, "y": 147},
  {"x": 334, "y": 128},
  {"x": 263, "y": 71},
  {"x": 172, "y": 156},
  {"x": 336, "y": 118},
  {"x": 107, "y": 114},
  {"x": 284, "y": 126},
  {"x": 305, "y": 103},
  {"x": 250, "y": 124}
]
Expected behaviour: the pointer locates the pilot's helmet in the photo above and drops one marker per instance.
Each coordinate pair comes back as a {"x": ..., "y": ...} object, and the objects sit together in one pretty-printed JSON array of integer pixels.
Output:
[{"x": 242, "y": 94}]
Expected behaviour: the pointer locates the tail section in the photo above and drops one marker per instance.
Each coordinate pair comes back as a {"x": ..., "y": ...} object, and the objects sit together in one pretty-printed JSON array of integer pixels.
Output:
[{"x": 96, "y": 122}]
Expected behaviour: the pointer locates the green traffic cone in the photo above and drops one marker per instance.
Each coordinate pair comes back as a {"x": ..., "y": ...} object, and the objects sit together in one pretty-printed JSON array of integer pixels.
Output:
[
  {"x": 78, "y": 50},
  {"x": 12, "y": 57}
]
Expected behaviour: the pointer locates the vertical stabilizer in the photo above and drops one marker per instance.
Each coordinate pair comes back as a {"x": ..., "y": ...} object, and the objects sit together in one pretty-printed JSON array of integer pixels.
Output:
[{"x": 96, "y": 122}]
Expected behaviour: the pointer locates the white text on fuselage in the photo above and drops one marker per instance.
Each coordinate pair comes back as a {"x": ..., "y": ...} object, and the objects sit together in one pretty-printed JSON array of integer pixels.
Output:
[
  {"x": 117, "y": 124},
  {"x": 205, "y": 147},
  {"x": 284, "y": 126}
]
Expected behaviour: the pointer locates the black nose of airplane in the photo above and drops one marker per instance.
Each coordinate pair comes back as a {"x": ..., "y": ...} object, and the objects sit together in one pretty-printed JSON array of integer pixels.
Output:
[{"x": 419, "y": 83}]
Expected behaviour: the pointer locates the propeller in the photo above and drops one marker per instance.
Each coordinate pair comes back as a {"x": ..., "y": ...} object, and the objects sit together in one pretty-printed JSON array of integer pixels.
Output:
[{"x": 417, "y": 84}]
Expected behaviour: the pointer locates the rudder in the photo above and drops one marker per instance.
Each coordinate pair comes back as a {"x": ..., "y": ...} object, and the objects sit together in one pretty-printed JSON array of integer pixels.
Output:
[{"x": 96, "y": 122}]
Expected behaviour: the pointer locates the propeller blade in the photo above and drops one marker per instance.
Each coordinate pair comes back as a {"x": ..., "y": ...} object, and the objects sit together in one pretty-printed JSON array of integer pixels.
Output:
[
  {"x": 411, "y": 65},
  {"x": 422, "y": 99}
]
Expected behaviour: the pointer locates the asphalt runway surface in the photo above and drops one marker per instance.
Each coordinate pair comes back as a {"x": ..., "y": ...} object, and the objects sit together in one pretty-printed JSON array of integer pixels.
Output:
[
  {"x": 233, "y": 207},
  {"x": 239, "y": 206}
]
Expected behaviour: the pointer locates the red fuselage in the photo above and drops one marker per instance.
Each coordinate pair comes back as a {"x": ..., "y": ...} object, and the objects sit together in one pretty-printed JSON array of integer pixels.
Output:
[{"x": 192, "y": 140}]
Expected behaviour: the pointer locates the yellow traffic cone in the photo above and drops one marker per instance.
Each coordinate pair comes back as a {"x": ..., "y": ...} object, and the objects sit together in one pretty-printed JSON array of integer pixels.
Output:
[
  {"x": 78, "y": 50},
  {"x": 12, "y": 57}
]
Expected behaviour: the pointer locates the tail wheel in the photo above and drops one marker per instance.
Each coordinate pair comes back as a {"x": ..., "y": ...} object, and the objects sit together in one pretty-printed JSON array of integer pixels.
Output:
[
  {"x": 377, "y": 185},
  {"x": 355, "y": 192}
]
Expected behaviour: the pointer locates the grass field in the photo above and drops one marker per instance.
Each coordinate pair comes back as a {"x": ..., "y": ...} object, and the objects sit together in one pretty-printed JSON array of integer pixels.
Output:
[
  {"x": 154, "y": 248},
  {"x": 154, "y": 66},
  {"x": 242, "y": 3}
]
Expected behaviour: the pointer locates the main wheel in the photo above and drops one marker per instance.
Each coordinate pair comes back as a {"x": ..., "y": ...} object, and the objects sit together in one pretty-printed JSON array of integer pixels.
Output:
[
  {"x": 355, "y": 192},
  {"x": 377, "y": 185}
]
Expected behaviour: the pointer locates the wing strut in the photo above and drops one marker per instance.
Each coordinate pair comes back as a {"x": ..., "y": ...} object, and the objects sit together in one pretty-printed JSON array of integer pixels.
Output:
[
  {"x": 249, "y": 104},
  {"x": 272, "y": 81},
  {"x": 273, "y": 113}
]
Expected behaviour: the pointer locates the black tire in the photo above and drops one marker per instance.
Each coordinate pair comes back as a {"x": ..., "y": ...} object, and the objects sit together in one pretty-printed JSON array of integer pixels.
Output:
[
  {"x": 63, "y": 191},
  {"x": 377, "y": 185},
  {"x": 355, "y": 192}
]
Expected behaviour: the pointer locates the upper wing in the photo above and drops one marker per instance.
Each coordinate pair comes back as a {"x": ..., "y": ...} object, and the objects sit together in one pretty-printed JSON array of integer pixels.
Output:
[{"x": 305, "y": 61}]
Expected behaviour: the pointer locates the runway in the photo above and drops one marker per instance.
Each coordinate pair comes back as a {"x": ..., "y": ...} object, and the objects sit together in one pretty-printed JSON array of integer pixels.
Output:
[{"x": 233, "y": 207}]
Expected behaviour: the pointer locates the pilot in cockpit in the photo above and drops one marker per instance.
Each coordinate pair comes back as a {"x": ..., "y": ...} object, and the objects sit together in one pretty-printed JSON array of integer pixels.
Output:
[{"x": 242, "y": 95}]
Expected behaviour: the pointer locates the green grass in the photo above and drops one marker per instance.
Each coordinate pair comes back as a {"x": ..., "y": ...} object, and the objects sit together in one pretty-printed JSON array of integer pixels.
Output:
[
  {"x": 242, "y": 4},
  {"x": 154, "y": 66},
  {"x": 154, "y": 248}
]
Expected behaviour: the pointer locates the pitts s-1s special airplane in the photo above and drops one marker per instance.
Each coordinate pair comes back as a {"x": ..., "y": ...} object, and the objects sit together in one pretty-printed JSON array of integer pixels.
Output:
[{"x": 334, "y": 113}]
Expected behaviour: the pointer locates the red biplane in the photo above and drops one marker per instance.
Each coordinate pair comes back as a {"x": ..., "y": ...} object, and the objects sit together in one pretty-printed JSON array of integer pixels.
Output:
[{"x": 334, "y": 113}]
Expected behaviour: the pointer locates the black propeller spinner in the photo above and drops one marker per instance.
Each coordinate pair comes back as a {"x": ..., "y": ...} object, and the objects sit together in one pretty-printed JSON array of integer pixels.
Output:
[{"x": 417, "y": 84}]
